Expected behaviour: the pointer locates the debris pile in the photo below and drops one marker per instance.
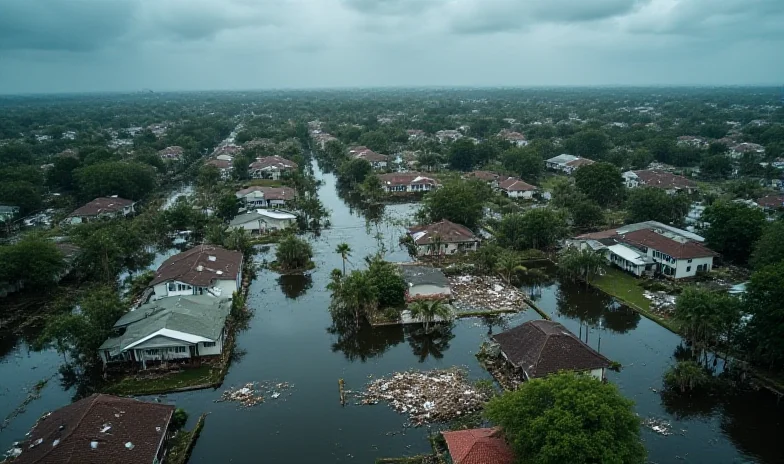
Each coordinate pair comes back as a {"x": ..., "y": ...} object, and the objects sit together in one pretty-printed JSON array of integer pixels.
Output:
[
  {"x": 660, "y": 426},
  {"x": 253, "y": 393},
  {"x": 504, "y": 373},
  {"x": 484, "y": 293},
  {"x": 661, "y": 303},
  {"x": 430, "y": 396}
]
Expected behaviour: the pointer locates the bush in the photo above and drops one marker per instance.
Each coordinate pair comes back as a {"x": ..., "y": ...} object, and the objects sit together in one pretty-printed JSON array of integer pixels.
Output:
[
  {"x": 293, "y": 253},
  {"x": 178, "y": 420}
]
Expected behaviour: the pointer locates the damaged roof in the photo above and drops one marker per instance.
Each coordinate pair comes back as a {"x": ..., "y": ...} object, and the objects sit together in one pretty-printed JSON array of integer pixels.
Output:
[
  {"x": 102, "y": 205},
  {"x": 98, "y": 429},
  {"x": 423, "y": 275},
  {"x": 545, "y": 347},
  {"x": 447, "y": 230},
  {"x": 200, "y": 266}
]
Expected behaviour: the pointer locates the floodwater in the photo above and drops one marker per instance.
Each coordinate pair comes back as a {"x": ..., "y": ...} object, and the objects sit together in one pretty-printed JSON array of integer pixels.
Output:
[{"x": 288, "y": 340}]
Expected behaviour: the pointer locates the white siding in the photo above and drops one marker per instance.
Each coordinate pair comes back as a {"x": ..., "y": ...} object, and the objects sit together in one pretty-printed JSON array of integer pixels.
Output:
[
  {"x": 446, "y": 248},
  {"x": 684, "y": 268},
  {"x": 211, "y": 350},
  {"x": 597, "y": 373},
  {"x": 427, "y": 290}
]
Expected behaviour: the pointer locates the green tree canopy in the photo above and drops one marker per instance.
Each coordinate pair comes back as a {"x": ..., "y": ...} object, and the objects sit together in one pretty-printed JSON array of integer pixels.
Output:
[
  {"x": 601, "y": 182},
  {"x": 524, "y": 162},
  {"x": 770, "y": 247},
  {"x": 763, "y": 299},
  {"x": 35, "y": 261},
  {"x": 61, "y": 175},
  {"x": 132, "y": 181},
  {"x": 734, "y": 229},
  {"x": 716, "y": 167},
  {"x": 22, "y": 194},
  {"x": 353, "y": 172},
  {"x": 653, "y": 204},
  {"x": 569, "y": 418},
  {"x": 377, "y": 141},
  {"x": 589, "y": 143},
  {"x": 463, "y": 154},
  {"x": 705, "y": 315},
  {"x": 459, "y": 201},
  {"x": 539, "y": 228},
  {"x": 293, "y": 253}
]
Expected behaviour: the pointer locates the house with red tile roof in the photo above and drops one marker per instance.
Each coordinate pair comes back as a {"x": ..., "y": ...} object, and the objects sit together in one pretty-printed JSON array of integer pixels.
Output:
[
  {"x": 204, "y": 269},
  {"x": 654, "y": 178},
  {"x": 376, "y": 160},
  {"x": 487, "y": 176},
  {"x": 402, "y": 182},
  {"x": 98, "y": 429},
  {"x": 478, "y": 446},
  {"x": 223, "y": 166},
  {"x": 513, "y": 137},
  {"x": 771, "y": 202},
  {"x": 271, "y": 167},
  {"x": 266, "y": 197},
  {"x": 101, "y": 208},
  {"x": 449, "y": 238},
  {"x": 516, "y": 188}
]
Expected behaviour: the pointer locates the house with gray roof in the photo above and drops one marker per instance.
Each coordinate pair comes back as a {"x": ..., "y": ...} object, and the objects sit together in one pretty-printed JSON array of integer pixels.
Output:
[
  {"x": 425, "y": 282},
  {"x": 172, "y": 329}
]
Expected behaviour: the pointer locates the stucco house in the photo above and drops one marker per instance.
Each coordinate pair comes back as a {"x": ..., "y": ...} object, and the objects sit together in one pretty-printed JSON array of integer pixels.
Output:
[
  {"x": 266, "y": 197},
  {"x": 425, "y": 282},
  {"x": 654, "y": 178},
  {"x": 98, "y": 429},
  {"x": 567, "y": 163},
  {"x": 516, "y": 188},
  {"x": 183, "y": 328},
  {"x": 376, "y": 160},
  {"x": 261, "y": 221},
  {"x": 443, "y": 238},
  {"x": 407, "y": 182},
  {"x": 223, "y": 166},
  {"x": 202, "y": 270},
  {"x": 101, "y": 208},
  {"x": 540, "y": 348}
]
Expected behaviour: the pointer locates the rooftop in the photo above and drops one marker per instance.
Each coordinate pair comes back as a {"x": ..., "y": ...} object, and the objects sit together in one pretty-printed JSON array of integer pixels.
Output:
[
  {"x": 98, "y": 429},
  {"x": 675, "y": 246},
  {"x": 405, "y": 178},
  {"x": 423, "y": 275},
  {"x": 102, "y": 205},
  {"x": 200, "y": 266},
  {"x": 664, "y": 179},
  {"x": 514, "y": 184},
  {"x": 273, "y": 162},
  {"x": 447, "y": 230},
  {"x": 269, "y": 193},
  {"x": 544, "y": 347},
  {"x": 478, "y": 446}
]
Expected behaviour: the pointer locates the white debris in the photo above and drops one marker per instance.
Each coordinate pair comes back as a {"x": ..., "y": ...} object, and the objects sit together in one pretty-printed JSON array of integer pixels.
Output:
[
  {"x": 253, "y": 393},
  {"x": 56, "y": 442},
  {"x": 660, "y": 426},
  {"x": 275, "y": 395},
  {"x": 105, "y": 428},
  {"x": 15, "y": 452},
  {"x": 483, "y": 293},
  {"x": 36, "y": 443},
  {"x": 129, "y": 445},
  {"x": 94, "y": 444}
]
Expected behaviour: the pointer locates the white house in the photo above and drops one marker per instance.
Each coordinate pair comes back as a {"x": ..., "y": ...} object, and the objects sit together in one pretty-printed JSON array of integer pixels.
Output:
[
  {"x": 224, "y": 167},
  {"x": 172, "y": 329},
  {"x": 443, "y": 238},
  {"x": 654, "y": 178},
  {"x": 202, "y": 270},
  {"x": 266, "y": 197},
  {"x": 513, "y": 137},
  {"x": 516, "y": 188},
  {"x": 742, "y": 148},
  {"x": 376, "y": 160},
  {"x": 401, "y": 182},
  {"x": 425, "y": 282},
  {"x": 261, "y": 221},
  {"x": 567, "y": 163},
  {"x": 101, "y": 208},
  {"x": 271, "y": 167}
]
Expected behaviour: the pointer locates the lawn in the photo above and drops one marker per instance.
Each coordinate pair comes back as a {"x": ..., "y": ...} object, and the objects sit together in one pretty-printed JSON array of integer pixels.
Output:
[
  {"x": 626, "y": 288},
  {"x": 131, "y": 385},
  {"x": 263, "y": 183}
]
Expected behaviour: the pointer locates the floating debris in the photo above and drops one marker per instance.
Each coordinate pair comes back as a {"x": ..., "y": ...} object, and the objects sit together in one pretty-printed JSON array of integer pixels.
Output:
[
  {"x": 253, "y": 393},
  {"x": 430, "y": 396},
  {"x": 484, "y": 293},
  {"x": 660, "y": 426},
  {"x": 661, "y": 303}
]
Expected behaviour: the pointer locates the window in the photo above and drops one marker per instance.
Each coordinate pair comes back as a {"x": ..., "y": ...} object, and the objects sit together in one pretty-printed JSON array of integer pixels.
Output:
[
  {"x": 688, "y": 261},
  {"x": 172, "y": 286},
  {"x": 209, "y": 344},
  {"x": 179, "y": 349},
  {"x": 151, "y": 352},
  {"x": 688, "y": 268}
]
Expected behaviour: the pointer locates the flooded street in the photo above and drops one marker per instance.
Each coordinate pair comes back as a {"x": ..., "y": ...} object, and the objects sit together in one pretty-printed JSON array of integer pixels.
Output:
[{"x": 288, "y": 341}]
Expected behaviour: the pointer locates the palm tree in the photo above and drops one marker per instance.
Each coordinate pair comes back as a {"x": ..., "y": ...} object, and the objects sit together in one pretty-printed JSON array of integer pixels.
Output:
[
  {"x": 353, "y": 296},
  {"x": 429, "y": 310},
  {"x": 509, "y": 265},
  {"x": 344, "y": 250}
]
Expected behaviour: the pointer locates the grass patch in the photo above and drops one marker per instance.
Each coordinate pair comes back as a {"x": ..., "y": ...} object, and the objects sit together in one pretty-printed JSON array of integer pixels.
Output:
[
  {"x": 627, "y": 288},
  {"x": 132, "y": 386},
  {"x": 181, "y": 445},
  {"x": 262, "y": 183}
]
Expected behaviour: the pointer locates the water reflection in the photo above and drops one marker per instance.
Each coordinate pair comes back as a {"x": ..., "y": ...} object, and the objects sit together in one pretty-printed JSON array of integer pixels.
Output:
[
  {"x": 366, "y": 343},
  {"x": 294, "y": 286},
  {"x": 594, "y": 309},
  {"x": 430, "y": 344}
]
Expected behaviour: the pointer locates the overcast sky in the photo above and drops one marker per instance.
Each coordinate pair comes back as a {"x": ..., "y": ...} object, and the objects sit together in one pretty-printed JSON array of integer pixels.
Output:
[{"x": 105, "y": 45}]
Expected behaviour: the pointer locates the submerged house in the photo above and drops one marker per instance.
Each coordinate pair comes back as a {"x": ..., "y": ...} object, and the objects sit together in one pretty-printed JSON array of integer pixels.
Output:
[
  {"x": 443, "y": 238},
  {"x": 261, "y": 221},
  {"x": 101, "y": 208},
  {"x": 403, "y": 182},
  {"x": 271, "y": 167},
  {"x": 540, "y": 348},
  {"x": 516, "y": 188},
  {"x": 180, "y": 329},
  {"x": 266, "y": 197},
  {"x": 98, "y": 429},
  {"x": 478, "y": 446},
  {"x": 203, "y": 270},
  {"x": 425, "y": 282}
]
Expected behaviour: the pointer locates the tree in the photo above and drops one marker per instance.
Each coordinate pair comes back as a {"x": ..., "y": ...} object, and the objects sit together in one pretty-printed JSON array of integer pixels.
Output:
[
  {"x": 707, "y": 316},
  {"x": 653, "y": 204},
  {"x": 765, "y": 293},
  {"x": 589, "y": 143},
  {"x": 209, "y": 177},
  {"x": 239, "y": 240},
  {"x": 770, "y": 247},
  {"x": 686, "y": 377},
  {"x": 734, "y": 229},
  {"x": 428, "y": 311},
  {"x": 581, "y": 264},
  {"x": 61, "y": 175},
  {"x": 22, "y": 194},
  {"x": 601, "y": 182},
  {"x": 376, "y": 141},
  {"x": 716, "y": 167},
  {"x": 293, "y": 254},
  {"x": 429, "y": 160},
  {"x": 227, "y": 206},
  {"x": 459, "y": 201},
  {"x": 463, "y": 154},
  {"x": 524, "y": 162},
  {"x": 586, "y": 214},
  {"x": 132, "y": 181},
  {"x": 178, "y": 420},
  {"x": 353, "y": 296},
  {"x": 353, "y": 172},
  {"x": 509, "y": 264},
  {"x": 539, "y": 228},
  {"x": 35, "y": 261},
  {"x": 569, "y": 418},
  {"x": 344, "y": 250},
  {"x": 371, "y": 189},
  {"x": 389, "y": 285}
]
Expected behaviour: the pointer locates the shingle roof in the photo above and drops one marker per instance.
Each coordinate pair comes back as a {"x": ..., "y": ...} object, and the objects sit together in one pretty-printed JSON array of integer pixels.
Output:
[
  {"x": 405, "y": 178},
  {"x": 275, "y": 161},
  {"x": 771, "y": 201},
  {"x": 685, "y": 249},
  {"x": 102, "y": 205},
  {"x": 482, "y": 175},
  {"x": 579, "y": 162},
  {"x": 197, "y": 315},
  {"x": 664, "y": 179},
  {"x": 545, "y": 347},
  {"x": 196, "y": 266},
  {"x": 66, "y": 434},
  {"x": 447, "y": 230},
  {"x": 478, "y": 446},
  {"x": 219, "y": 163}
]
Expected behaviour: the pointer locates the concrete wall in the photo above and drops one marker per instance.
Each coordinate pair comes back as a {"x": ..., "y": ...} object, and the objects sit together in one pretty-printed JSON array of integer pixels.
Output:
[
  {"x": 427, "y": 290},
  {"x": 684, "y": 268},
  {"x": 446, "y": 249}
]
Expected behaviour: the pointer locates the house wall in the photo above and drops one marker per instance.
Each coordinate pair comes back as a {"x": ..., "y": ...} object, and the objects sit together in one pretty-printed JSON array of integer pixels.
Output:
[
  {"x": 250, "y": 226},
  {"x": 625, "y": 264},
  {"x": 272, "y": 223},
  {"x": 227, "y": 287},
  {"x": 597, "y": 373},
  {"x": 684, "y": 268},
  {"x": 447, "y": 248},
  {"x": 211, "y": 350},
  {"x": 427, "y": 290}
]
